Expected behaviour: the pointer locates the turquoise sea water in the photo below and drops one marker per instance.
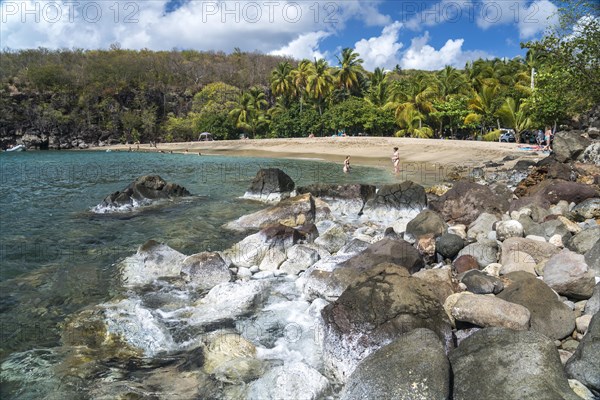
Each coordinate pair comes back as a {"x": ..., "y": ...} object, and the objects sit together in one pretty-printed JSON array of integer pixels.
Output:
[{"x": 57, "y": 257}]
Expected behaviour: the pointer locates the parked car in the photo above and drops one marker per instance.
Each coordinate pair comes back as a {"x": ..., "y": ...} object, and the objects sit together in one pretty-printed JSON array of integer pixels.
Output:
[{"x": 507, "y": 135}]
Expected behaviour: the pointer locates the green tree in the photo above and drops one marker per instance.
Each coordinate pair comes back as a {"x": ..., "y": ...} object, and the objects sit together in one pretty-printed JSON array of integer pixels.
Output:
[
  {"x": 350, "y": 71},
  {"x": 319, "y": 83},
  {"x": 515, "y": 116},
  {"x": 282, "y": 82}
]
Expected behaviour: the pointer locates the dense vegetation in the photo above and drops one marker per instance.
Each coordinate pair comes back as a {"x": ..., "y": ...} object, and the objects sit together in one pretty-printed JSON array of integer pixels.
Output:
[{"x": 127, "y": 96}]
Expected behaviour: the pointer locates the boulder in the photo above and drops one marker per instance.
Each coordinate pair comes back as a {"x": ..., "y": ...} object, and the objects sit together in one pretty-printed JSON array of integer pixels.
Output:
[
  {"x": 568, "y": 274},
  {"x": 440, "y": 280},
  {"x": 414, "y": 366},
  {"x": 205, "y": 270},
  {"x": 539, "y": 251},
  {"x": 294, "y": 380},
  {"x": 592, "y": 306},
  {"x": 508, "y": 229},
  {"x": 583, "y": 241},
  {"x": 480, "y": 228},
  {"x": 549, "y": 315},
  {"x": 292, "y": 212},
  {"x": 333, "y": 239},
  {"x": 480, "y": 283},
  {"x": 373, "y": 312},
  {"x": 343, "y": 199},
  {"x": 395, "y": 201},
  {"x": 551, "y": 191},
  {"x": 153, "y": 260},
  {"x": 448, "y": 245},
  {"x": 466, "y": 201},
  {"x": 425, "y": 223},
  {"x": 465, "y": 263},
  {"x": 500, "y": 363},
  {"x": 516, "y": 260},
  {"x": 592, "y": 258},
  {"x": 584, "y": 365},
  {"x": 591, "y": 154},
  {"x": 143, "y": 190},
  {"x": 270, "y": 185},
  {"x": 299, "y": 258},
  {"x": 587, "y": 209},
  {"x": 567, "y": 146},
  {"x": 485, "y": 252},
  {"x": 487, "y": 311}
]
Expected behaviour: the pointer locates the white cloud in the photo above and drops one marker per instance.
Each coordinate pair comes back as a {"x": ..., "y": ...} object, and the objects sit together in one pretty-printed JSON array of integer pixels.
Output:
[
  {"x": 446, "y": 11},
  {"x": 536, "y": 18},
  {"x": 381, "y": 51},
  {"x": 305, "y": 46},
  {"x": 530, "y": 18},
  {"x": 420, "y": 55}
]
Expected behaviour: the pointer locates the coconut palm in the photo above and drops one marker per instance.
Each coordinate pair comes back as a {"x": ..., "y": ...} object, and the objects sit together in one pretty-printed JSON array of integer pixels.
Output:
[
  {"x": 282, "y": 83},
  {"x": 319, "y": 83},
  {"x": 350, "y": 71},
  {"x": 451, "y": 81},
  {"x": 249, "y": 113},
  {"x": 411, "y": 100},
  {"x": 482, "y": 106},
  {"x": 412, "y": 125},
  {"x": 514, "y": 115},
  {"x": 300, "y": 80}
]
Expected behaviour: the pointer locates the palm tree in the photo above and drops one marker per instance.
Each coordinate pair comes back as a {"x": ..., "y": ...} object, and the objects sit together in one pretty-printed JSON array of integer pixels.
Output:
[
  {"x": 300, "y": 79},
  {"x": 514, "y": 115},
  {"x": 319, "y": 83},
  {"x": 249, "y": 113},
  {"x": 412, "y": 125},
  {"x": 411, "y": 100},
  {"x": 350, "y": 71},
  {"x": 451, "y": 81},
  {"x": 282, "y": 81},
  {"x": 482, "y": 106}
]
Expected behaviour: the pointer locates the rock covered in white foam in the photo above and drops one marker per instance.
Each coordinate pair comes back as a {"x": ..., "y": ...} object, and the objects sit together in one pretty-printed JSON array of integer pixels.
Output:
[
  {"x": 290, "y": 381},
  {"x": 153, "y": 260}
]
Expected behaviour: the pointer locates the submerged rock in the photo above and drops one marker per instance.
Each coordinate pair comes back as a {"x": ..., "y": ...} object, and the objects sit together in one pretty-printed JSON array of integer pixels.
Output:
[
  {"x": 500, "y": 363},
  {"x": 270, "y": 185},
  {"x": 414, "y": 366},
  {"x": 142, "y": 191}
]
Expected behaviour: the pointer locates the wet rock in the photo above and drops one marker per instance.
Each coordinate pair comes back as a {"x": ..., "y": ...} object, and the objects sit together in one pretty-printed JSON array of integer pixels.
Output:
[
  {"x": 152, "y": 261},
  {"x": 508, "y": 229},
  {"x": 295, "y": 380},
  {"x": 584, "y": 365},
  {"x": 448, "y": 245},
  {"x": 270, "y": 185},
  {"x": 568, "y": 274},
  {"x": 485, "y": 252},
  {"x": 414, "y": 366},
  {"x": 143, "y": 190},
  {"x": 343, "y": 199},
  {"x": 465, "y": 263},
  {"x": 584, "y": 241},
  {"x": 466, "y": 201},
  {"x": 479, "y": 283},
  {"x": 503, "y": 363},
  {"x": 230, "y": 358},
  {"x": 205, "y": 270},
  {"x": 426, "y": 222},
  {"x": 373, "y": 312},
  {"x": 393, "y": 202},
  {"x": 292, "y": 212},
  {"x": 299, "y": 258},
  {"x": 549, "y": 315},
  {"x": 487, "y": 311}
]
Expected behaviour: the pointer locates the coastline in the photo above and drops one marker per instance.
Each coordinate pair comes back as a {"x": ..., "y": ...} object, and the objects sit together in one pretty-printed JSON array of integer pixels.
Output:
[{"x": 363, "y": 151}]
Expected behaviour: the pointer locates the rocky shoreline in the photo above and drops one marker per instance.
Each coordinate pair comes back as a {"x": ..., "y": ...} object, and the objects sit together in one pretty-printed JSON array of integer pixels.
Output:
[{"x": 487, "y": 287}]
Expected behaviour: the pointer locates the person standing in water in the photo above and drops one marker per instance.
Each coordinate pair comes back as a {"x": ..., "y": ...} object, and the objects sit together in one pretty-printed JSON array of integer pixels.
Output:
[
  {"x": 347, "y": 165},
  {"x": 396, "y": 160}
]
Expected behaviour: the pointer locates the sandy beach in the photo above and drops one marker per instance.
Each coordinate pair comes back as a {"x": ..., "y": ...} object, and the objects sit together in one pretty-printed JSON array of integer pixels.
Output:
[{"x": 366, "y": 151}]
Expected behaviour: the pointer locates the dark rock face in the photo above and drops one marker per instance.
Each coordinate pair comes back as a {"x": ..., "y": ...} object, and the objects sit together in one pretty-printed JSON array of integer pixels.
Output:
[
  {"x": 397, "y": 252},
  {"x": 500, "y": 363},
  {"x": 465, "y": 263},
  {"x": 414, "y": 366},
  {"x": 404, "y": 196},
  {"x": 584, "y": 365},
  {"x": 549, "y": 315},
  {"x": 426, "y": 222},
  {"x": 479, "y": 283},
  {"x": 145, "y": 189},
  {"x": 592, "y": 258},
  {"x": 340, "y": 192},
  {"x": 448, "y": 245},
  {"x": 466, "y": 201},
  {"x": 567, "y": 146},
  {"x": 270, "y": 183},
  {"x": 551, "y": 191},
  {"x": 374, "y": 311}
]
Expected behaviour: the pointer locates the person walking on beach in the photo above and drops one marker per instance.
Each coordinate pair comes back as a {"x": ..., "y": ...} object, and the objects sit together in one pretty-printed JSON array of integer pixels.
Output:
[
  {"x": 548, "y": 137},
  {"x": 396, "y": 160},
  {"x": 347, "y": 165}
]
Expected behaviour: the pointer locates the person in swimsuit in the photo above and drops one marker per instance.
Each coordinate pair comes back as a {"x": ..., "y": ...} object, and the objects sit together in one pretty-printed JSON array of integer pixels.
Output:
[
  {"x": 396, "y": 160},
  {"x": 347, "y": 165}
]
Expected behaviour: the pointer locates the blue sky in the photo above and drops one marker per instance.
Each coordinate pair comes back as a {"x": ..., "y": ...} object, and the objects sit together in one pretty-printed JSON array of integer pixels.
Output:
[{"x": 412, "y": 34}]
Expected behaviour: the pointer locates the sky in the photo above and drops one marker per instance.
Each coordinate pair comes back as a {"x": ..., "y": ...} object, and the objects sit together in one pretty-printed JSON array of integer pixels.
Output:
[{"x": 412, "y": 34}]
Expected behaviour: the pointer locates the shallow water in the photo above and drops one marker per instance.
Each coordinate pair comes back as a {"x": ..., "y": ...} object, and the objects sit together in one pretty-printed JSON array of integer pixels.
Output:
[{"x": 58, "y": 257}]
